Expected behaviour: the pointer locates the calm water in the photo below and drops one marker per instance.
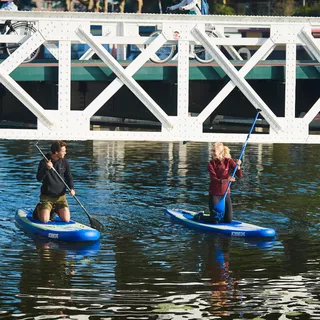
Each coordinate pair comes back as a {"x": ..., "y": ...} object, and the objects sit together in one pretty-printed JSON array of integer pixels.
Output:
[{"x": 145, "y": 266}]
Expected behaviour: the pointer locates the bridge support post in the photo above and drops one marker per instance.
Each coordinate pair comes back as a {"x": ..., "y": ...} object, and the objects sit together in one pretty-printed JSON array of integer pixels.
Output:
[{"x": 183, "y": 79}]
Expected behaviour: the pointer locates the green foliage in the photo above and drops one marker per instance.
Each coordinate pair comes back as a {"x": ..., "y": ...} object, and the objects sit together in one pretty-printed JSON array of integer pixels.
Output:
[
  {"x": 302, "y": 11},
  {"x": 306, "y": 11},
  {"x": 223, "y": 10}
]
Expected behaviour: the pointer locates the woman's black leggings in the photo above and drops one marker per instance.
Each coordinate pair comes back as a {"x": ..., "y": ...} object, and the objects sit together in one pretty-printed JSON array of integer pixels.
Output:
[{"x": 228, "y": 215}]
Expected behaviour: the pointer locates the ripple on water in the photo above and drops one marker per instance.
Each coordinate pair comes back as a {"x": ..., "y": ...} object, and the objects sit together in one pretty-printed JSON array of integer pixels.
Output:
[{"x": 147, "y": 267}]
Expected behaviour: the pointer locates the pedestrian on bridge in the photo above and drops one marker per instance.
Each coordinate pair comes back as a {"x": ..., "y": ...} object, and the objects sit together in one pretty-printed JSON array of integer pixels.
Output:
[
  {"x": 190, "y": 6},
  {"x": 9, "y": 5}
]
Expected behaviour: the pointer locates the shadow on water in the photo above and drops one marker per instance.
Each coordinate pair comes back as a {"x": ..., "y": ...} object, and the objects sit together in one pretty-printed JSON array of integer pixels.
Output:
[{"x": 145, "y": 266}]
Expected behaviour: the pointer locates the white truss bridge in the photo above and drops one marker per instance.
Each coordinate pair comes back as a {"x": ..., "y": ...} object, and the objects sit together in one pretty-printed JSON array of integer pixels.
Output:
[{"x": 57, "y": 31}]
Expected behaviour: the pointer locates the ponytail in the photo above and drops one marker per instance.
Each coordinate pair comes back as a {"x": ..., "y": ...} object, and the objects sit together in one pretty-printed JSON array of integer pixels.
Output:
[{"x": 226, "y": 152}]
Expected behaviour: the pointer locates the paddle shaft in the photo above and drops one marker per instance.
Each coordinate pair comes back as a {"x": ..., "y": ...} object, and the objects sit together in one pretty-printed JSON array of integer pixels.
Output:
[
  {"x": 80, "y": 204},
  {"x": 242, "y": 152}
]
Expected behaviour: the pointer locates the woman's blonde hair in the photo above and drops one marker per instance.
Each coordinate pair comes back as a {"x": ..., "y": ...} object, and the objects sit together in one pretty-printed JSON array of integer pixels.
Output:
[{"x": 225, "y": 151}]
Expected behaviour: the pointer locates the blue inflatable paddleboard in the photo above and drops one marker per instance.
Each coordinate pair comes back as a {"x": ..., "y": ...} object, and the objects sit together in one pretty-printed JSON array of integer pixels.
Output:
[
  {"x": 56, "y": 230},
  {"x": 235, "y": 228}
]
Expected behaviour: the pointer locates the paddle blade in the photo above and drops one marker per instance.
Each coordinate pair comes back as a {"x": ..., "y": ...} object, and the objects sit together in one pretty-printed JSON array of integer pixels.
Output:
[
  {"x": 220, "y": 206},
  {"x": 95, "y": 224}
]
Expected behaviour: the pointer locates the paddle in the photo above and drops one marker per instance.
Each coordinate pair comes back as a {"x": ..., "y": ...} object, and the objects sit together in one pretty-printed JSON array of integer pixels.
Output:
[
  {"x": 220, "y": 206},
  {"x": 93, "y": 222}
]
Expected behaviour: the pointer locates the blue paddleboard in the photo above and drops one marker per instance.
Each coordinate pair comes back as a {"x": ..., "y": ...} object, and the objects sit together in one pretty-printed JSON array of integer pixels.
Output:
[
  {"x": 57, "y": 230},
  {"x": 235, "y": 228}
]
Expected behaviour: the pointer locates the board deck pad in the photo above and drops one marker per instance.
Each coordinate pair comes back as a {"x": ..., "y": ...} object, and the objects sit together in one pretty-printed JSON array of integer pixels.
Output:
[
  {"x": 235, "y": 228},
  {"x": 56, "y": 230}
]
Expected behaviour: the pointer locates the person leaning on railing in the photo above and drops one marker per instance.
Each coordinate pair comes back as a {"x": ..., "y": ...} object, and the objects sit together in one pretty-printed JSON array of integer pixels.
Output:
[
  {"x": 9, "y": 5},
  {"x": 187, "y": 5}
]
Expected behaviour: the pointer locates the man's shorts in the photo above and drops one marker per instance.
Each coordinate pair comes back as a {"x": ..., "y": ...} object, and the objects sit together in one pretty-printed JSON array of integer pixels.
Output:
[{"x": 50, "y": 202}]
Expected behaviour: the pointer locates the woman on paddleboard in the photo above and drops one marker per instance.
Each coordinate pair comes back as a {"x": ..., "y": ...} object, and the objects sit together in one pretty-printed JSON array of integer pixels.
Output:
[
  {"x": 220, "y": 168},
  {"x": 53, "y": 190}
]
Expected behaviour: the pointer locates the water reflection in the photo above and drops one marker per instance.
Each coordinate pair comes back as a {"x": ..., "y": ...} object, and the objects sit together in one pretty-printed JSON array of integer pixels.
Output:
[
  {"x": 47, "y": 274},
  {"x": 147, "y": 267}
]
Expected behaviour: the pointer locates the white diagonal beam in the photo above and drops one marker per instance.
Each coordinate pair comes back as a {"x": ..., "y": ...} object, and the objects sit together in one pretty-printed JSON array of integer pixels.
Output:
[
  {"x": 87, "y": 55},
  {"x": 53, "y": 49},
  {"x": 307, "y": 38},
  {"x": 311, "y": 114},
  {"x": 260, "y": 54},
  {"x": 25, "y": 98},
  {"x": 11, "y": 63},
  {"x": 239, "y": 81},
  {"x": 116, "y": 84},
  {"x": 140, "y": 42},
  {"x": 310, "y": 42},
  {"x": 230, "y": 49},
  {"x": 125, "y": 75},
  {"x": 20, "y": 54}
]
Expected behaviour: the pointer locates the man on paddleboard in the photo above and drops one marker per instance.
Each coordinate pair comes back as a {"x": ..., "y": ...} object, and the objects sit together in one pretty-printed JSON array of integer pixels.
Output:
[{"x": 53, "y": 189}]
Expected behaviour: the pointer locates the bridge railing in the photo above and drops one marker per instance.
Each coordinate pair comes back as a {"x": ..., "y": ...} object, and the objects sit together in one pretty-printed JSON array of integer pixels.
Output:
[{"x": 106, "y": 33}]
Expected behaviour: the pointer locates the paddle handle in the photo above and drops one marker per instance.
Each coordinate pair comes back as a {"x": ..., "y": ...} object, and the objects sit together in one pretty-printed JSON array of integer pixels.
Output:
[{"x": 242, "y": 152}]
